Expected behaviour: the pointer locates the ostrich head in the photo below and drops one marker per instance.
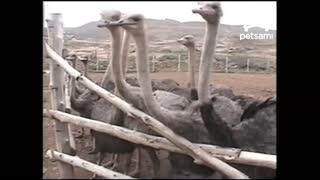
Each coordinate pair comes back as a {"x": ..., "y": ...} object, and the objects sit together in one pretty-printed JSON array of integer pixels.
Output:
[
  {"x": 132, "y": 23},
  {"x": 211, "y": 12},
  {"x": 109, "y": 16},
  {"x": 187, "y": 40},
  {"x": 84, "y": 59}
]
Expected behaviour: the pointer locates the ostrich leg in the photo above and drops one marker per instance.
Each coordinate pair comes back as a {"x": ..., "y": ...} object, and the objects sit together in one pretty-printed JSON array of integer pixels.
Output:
[
  {"x": 113, "y": 161},
  {"x": 100, "y": 156},
  {"x": 136, "y": 170},
  {"x": 155, "y": 162}
]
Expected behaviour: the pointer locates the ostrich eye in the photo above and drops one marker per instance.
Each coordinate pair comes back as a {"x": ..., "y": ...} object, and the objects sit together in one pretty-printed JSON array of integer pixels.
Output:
[
  {"x": 135, "y": 18},
  {"x": 214, "y": 6}
]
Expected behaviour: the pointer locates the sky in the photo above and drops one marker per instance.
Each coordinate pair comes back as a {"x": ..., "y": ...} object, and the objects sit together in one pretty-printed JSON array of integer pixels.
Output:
[{"x": 262, "y": 14}]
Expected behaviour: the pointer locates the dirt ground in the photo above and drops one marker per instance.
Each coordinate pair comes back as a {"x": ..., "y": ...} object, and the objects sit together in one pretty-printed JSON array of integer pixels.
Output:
[{"x": 256, "y": 85}]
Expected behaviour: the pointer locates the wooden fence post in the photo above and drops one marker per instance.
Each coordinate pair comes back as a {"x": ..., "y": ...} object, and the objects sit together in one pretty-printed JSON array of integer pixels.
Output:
[
  {"x": 153, "y": 64},
  {"x": 84, "y": 61},
  {"x": 68, "y": 86},
  {"x": 226, "y": 65},
  {"x": 55, "y": 40},
  {"x": 67, "y": 83},
  {"x": 179, "y": 63},
  {"x": 97, "y": 65}
]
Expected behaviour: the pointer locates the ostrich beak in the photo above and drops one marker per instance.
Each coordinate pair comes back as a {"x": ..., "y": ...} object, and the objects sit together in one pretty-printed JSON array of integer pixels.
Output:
[
  {"x": 105, "y": 24},
  {"x": 179, "y": 40},
  {"x": 202, "y": 11},
  {"x": 115, "y": 23},
  {"x": 196, "y": 11},
  {"x": 101, "y": 25},
  {"x": 120, "y": 23}
]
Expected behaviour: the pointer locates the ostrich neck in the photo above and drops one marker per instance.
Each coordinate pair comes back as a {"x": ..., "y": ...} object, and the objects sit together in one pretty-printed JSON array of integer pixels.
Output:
[
  {"x": 207, "y": 56},
  {"x": 143, "y": 75},
  {"x": 123, "y": 62},
  {"x": 121, "y": 86},
  {"x": 106, "y": 76},
  {"x": 166, "y": 116},
  {"x": 125, "y": 52},
  {"x": 192, "y": 56}
]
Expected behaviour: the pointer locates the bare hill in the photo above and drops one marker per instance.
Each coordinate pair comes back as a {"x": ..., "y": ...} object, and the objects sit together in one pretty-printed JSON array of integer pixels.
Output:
[{"x": 162, "y": 31}]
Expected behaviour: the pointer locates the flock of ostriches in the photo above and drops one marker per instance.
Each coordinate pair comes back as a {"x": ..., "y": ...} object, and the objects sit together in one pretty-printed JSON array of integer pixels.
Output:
[{"x": 208, "y": 113}]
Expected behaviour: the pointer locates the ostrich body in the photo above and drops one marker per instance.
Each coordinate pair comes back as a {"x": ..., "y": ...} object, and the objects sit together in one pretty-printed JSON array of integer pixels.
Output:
[{"x": 256, "y": 132}]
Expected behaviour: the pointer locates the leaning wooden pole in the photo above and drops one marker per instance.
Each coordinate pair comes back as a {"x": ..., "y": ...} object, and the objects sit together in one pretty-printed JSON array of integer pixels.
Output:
[
  {"x": 77, "y": 162},
  {"x": 199, "y": 155},
  {"x": 68, "y": 86},
  {"x": 232, "y": 155},
  {"x": 55, "y": 40}
]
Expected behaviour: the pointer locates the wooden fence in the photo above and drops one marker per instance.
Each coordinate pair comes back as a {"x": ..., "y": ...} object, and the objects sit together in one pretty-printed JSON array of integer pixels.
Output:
[{"x": 249, "y": 65}]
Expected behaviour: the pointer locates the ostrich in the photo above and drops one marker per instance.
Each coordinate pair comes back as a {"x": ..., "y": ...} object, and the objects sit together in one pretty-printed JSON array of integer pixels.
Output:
[
  {"x": 101, "y": 110},
  {"x": 130, "y": 93},
  {"x": 211, "y": 12},
  {"x": 183, "y": 121},
  {"x": 207, "y": 11},
  {"x": 188, "y": 42},
  {"x": 89, "y": 106},
  {"x": 72, "y": 57},
  {"x": 81, "y": 97},
  {"x": 220, "y": 89},
  {"x": 75, "y": 89},
  {"x": 84, "y": 60},
  {"x": 257, "y": 126}
]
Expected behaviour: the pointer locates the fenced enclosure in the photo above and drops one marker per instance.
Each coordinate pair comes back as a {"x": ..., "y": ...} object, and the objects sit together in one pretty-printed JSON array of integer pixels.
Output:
[
  {"x": 179, "y": 63},
  {"x": 60, "y": 70},
  {"x": 174, "y": 61}
]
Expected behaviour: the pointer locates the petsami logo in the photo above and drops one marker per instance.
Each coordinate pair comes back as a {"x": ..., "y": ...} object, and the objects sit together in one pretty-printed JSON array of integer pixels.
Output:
[{"x": 252, "y": 35}]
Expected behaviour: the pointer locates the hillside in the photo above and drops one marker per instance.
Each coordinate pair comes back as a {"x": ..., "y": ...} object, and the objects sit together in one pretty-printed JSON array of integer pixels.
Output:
[{"x": 163, "y": 33}]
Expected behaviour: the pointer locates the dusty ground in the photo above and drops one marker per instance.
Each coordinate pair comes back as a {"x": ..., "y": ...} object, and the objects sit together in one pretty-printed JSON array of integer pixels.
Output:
[{"x": 257, "y": 85}]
